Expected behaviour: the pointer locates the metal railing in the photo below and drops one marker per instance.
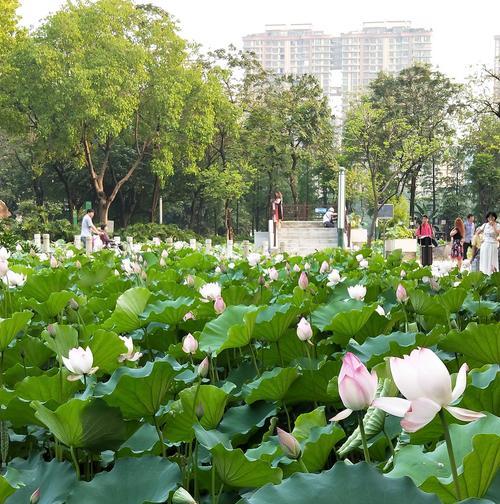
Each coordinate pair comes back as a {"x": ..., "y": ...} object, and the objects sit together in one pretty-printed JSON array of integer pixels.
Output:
[{"x": 303, "y": 211}]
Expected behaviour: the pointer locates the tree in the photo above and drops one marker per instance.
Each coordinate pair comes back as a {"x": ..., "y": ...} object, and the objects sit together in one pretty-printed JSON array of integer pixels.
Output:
[
  {"x": 428, "y": 101},
  {"x": 98, "y": 74},
  {"x": 386, "y": 147}
]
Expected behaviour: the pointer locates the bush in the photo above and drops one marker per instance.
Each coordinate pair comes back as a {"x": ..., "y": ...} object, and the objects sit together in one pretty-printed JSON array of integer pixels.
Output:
[{"x": 147, "y": 231}]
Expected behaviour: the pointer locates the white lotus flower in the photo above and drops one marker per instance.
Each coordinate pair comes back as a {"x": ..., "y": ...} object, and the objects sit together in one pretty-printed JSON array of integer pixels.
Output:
[
  {"x": 324, "y": 267},
  {"x": 53, "y": 262},
  {"x": 278, "y": 258},
  {"x": 273, "y": 274},
  {"x": 307, "y": 266},
  {"x": 296, "y": 268},
  {"x": 334, "y": 278},
  {"x": 231, "y": 265},
  {"x": 359, "y": 257},
  {"x": 79, "y": 362},
  {"x": 210, "y": 291},
  {"x": 4, "y": 267},
  {"x": 69, "y": 254},
  {"x": 130, "y": 355},
  {"x": 4, "y": 254},
  {"x": 253, "y": 259},
  {"x": 357, "y": 292},
  {"x": 14, "y": 279},
  {"x": 363, "y": 263},
  {"x": 43, "y": 257},
  {"x": 19, "y": 248},
  {"x": 178, "y": 245},
  {"x": 380, "y": 310}
]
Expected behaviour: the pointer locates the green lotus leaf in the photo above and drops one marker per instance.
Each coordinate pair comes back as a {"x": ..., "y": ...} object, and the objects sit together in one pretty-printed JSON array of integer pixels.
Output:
[
  {"x": 273, "y": 322},
  {"x": 52, "y": 306},
  {"x": 343, "y": 484},
  {"x": 129, "y": 306},
  {"x": 271, "y": 386},
  {"x": 44, "y": 283},
  {"x": 210, "y": 401},
  {"x": 6, "y": 489},
  {"x": 12, "y": 326},
  {"x": 476, "y": 462},
  {"x": 65, "y": 338},
  {"x": 89, "y": 423},
  {"x": 54, "y": 480},
  {"x": 147, "y": 479},
  {"x": 478, "y": 342},
  {"x": 232, "y": 329},
  {"x": 106, "y": 347},
  {"x": 168, "y": 311},
  {"x": 47, "y": 388},
  {"x": 17, "y": 411},
  {"x": 211, "y": 438},
  {"x": 140, "y": 392},
  {"x": 30, "y": 351},
  {"x": 142, "y": 440},
  {"x": 482, "y": 394},
  {"x": 236, "y": 470},
  {"x": 483, "y": 309},
  {"x": 424, "y": 304},
  {"x": 315, "y": 385},
  {"x": 323, "y": 316},
  {"x": 453, "y": 299}
]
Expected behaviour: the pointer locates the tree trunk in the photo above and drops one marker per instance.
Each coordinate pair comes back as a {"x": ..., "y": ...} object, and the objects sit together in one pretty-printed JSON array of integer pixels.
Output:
[
  {"x": 413, "y": 190},
  {"x": 67, "y": 187},
  {"x": 103, "y": 205},
  {"x": 433, "y": 187},
  {"x": 228, "y": 220},
  {"x": 155, "y": 200},
  {"x": 38, "y": 190},
  {"x": 371, "y": 232}
]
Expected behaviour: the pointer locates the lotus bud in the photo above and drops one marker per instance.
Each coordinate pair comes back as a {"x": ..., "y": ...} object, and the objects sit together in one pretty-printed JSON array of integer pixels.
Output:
[
  {"x": 188, "y": 316},
  {"x": 162, "y": 262},
  {"x": 32, "y": 252},
  {"x": 189, "y": 280},
  {"x": 307, "y": 266},
  {"x": 78, "y": 264},
  {"x": 359, "y": 257},
  {"x": 401, "y": 294},
  {"x": 403, "y": 273},
  {"x": 296, "y": 268},
  {"x": 363, "y": 263},
  {"x": 380, "y": 310},
  {"x": 4, "y": 267},
  {"x": 219, "y": 305},
  {"x": 189, "y": 344},
  {"x": 289, "y": 444},
  {"x": 53, "y": 262},
  {"x": 51, "y": 329},
  {"x": 304, "y": 330},
  {"x": 262, "y": 280},
  {"x": 73, "y": 304},
  {"x": 199, "y": 410},
  {"x": 303, "y": 281},
  {"x": 182, "y": 496},
  {"x": 324, "y": 267},
  {"x": 273, "y": 274},
  {"x": 203, "y": 367},
  {"x": 35, "y": 496}
]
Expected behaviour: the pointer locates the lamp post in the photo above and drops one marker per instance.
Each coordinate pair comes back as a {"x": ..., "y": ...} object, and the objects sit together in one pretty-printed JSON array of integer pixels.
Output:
[
  {"x": 341, "y": 207},
  {"x": 161, "y": 210}
]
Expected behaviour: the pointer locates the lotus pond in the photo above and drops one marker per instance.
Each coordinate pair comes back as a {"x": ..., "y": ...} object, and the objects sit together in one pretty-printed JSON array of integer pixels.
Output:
[{"x": 168, "y": 374}]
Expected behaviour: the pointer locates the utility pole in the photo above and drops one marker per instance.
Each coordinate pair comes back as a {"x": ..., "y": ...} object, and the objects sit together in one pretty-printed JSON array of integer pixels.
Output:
[{"x": 341, "y": 207}]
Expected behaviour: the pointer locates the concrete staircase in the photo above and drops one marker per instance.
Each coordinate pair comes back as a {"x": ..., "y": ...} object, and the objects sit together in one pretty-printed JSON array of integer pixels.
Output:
[{"x": 305, "y": 237}]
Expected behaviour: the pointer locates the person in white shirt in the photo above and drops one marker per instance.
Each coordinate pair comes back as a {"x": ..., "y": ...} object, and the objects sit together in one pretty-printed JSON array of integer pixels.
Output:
[
  {"x": 488, "y": 253},
  {"x": 88, "y": 227},
  {"x": 328, "y": 218}
]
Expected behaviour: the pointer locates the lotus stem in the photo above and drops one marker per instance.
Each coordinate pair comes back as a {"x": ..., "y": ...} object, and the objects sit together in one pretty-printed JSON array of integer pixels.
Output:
[
  {"x": 302, "y": 465},
  {"x": 279, "y": 353},
  {"x": 75, "y": 462},
  {"x": 252, "y": 353},
  {"x": 451, "y": 455},
  {"x": 363, "y": 436},
  {"x": 160, "y": 436}
]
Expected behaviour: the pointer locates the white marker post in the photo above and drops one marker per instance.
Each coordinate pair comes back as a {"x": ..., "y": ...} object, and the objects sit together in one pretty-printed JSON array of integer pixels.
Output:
[{"x": 341, "y": 207}]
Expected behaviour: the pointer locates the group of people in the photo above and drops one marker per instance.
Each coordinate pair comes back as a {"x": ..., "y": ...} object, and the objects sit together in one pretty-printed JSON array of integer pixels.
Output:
[
  {"x": 88, "y": 229},
  {"x": 483, "y": 240}
]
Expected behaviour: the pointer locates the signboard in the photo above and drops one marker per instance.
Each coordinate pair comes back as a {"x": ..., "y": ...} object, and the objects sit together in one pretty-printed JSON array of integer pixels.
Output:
[
  {"x": 88, "y": 205},
  {"x": 320, "y": 211},
  {"x": 386, "y": 212}
]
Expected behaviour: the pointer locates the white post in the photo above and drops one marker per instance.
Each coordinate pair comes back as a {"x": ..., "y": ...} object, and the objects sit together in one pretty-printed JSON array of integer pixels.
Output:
[
  {"x": 270, "y": 227},
  {"x": 341, "y": 207},
  {"x": 156, "y": 240},
  {"x": 130, "y": 243},
  {"x": 77, "y": 241},
  {"x": 192, "y": 243},
  {"x": 37, "y": 240},
  {"x": 161, "y": 210},
  {"x": 245, "y": 248},
  {"x": 208, "y": 244},
  {"x": 46, "y": 243},
  {"x": 169, "y": 241},
  {"x": 229, "y": 248},
  {"x": 88, "y": 244}
]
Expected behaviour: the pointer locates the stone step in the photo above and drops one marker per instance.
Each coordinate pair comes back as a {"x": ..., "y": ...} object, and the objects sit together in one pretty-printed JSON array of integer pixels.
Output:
[
  {"x": 301, "y": 224},
  {"x": 307, "y": 233}
]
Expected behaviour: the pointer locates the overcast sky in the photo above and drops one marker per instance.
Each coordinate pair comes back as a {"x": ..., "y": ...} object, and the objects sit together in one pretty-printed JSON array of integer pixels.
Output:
[{"x": 462, "y": 38}]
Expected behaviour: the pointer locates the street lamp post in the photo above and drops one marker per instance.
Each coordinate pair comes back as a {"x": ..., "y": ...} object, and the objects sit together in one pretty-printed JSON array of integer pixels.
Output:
[{"x": 341, "y": 207}]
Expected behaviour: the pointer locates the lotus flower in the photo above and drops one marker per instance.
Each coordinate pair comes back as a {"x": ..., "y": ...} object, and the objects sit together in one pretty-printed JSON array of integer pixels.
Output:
[
  {"x": 182, "y": 496},
  {"x": 363, "y": 263},
  {"x": 189, "y": 344},
  {"x": 273, "y": 273},
  {"x": 43, "y": 257},
  {"x": 289, "y": 444},
  {"x": 53, "y": 262},
  {"x": 334, "y": 278},
  {"x": 4, "y": 267},
  {"x": 380, "y": 310},
  {"x": 35, "y": 497},
  {"x": 188, "y": 316},
  {"x": 304, "y": 330},
  {"x": 303, "y": 281},
  {"x": 253, "y": 259},
  {"x": 130, "y": 355},
  {"x": 13, "y": 279},
  {"x": 210, "y": 292},
  {"x": 296, "y": 268},
  {"x": 357, "y": 292},
  {"x": 4, "y": 254},
  {"x": 219, "y": 305},
  {"x": 307, "y": 266},
  {"x": 401, "y": 294},
  {"x": 402, "y": 274},
  {"x": 203, "y": 367},
  {"x": 426, "y": 383},
  {"x": 357, "y": 387},
  {"x": 78, "y": 264},
  {"x": 79, "y": 362},
  {"x": 324, "y": 267},
  {"x": 69, "y": 254},
  {"x": 278, "y": 258},
  {"x": 359, "y": 257}
]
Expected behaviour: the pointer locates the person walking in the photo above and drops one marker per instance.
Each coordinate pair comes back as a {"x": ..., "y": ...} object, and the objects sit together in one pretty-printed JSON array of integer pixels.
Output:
[
  {"x": 457, "y": 247},
  {"x": 488, "y": 254},
  {"x": 425, "y": 238},
  {"x": 88, "y": 227},
  {"x": 470, "y": 229}
]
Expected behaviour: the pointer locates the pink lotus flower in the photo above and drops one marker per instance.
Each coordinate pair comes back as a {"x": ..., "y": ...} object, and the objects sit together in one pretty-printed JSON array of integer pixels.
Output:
[
  {"x": 289, "y": 444},
  {"x": 273, "y": 274},
  {"x": 357, "y": 387},
  {"x": 189, "y": 344},
  {"x": 401, "y": 294},
  {"x": 304, "y": 330},
  {"x": 188, "y": 316},
  {"x": 296, "y": 268},
  {"x": 324, "y": 267},
  {"x": 303, "y": 281},
  {"x": 203, "y": 367},
  {"x": 426, "y": 383},
  {"x": 219, "y": 305}
]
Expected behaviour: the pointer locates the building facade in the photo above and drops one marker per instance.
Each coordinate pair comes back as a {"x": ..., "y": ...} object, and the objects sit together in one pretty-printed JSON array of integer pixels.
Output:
[{"x": 345, "y": 64}]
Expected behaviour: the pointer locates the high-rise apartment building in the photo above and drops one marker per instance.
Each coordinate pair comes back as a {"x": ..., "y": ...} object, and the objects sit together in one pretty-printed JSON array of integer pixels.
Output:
[
  {"x": 299, "y": 49},
  {"x": 388, "y": 46},
  {"x": 345, "y": 64}
]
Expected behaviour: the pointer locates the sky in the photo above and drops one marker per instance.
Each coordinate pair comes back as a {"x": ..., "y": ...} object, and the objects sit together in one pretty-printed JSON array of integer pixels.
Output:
[{"x": 462, "y": 39}]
